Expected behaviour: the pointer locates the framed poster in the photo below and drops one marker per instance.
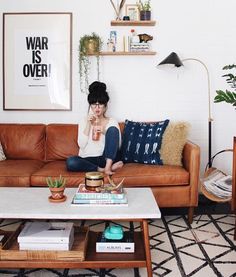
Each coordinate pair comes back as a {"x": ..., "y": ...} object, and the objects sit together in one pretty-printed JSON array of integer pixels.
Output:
[
  {"x": 132, "y": 11},
  {"x": 37, "y": 66}
]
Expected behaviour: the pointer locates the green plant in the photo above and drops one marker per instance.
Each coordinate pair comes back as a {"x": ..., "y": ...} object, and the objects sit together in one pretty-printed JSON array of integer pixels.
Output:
[
  {"x": 227, "y": 96},
  {"x": 88, "y": 44},
  {"x": 56, "y": 183},
  {"x": 144, "y": 6}
]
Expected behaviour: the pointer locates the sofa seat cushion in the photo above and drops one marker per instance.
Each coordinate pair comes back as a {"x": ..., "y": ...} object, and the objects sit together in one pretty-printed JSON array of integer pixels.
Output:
[
  {"x": 152, "y": 175},
  {"x": 55, "y": 169},
  {"x": 16, "y": 173}
]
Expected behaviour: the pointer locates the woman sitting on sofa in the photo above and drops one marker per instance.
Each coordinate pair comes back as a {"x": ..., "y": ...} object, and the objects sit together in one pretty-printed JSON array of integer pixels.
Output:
[{"x": 99, "y": 136}]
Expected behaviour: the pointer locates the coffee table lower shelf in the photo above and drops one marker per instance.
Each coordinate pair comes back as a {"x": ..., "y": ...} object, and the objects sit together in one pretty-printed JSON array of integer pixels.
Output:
[{"x": 92, "y": 259}]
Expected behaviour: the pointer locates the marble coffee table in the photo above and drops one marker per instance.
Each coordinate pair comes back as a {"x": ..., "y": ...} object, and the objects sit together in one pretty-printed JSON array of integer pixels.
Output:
[{"x": 32, "y": 203}]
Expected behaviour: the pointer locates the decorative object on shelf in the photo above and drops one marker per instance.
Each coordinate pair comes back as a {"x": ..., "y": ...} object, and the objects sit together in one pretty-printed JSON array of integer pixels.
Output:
[
  {"x": 57, "y": 188},
  {"x": 227, "y": 96},
  {"x": 144, "y": 9},
  {"x": 94, "y": 180},
  {"x": 173, "y": 59},
  {"x": 88, "y": 45},
  {"x": 114, "y": 232},
  {"x": 145, "y": 37},
  {"x": 118, "y": 9},
  {"x": 126, "y": 18},
  {"x": 113, "y": 40},
  {"x": 132, "y": 11}
]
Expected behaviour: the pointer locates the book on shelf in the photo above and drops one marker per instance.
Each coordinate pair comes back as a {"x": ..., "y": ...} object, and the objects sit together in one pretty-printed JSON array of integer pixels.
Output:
[
  {"x": 124, "y": 245},
  {"x": 45, "y": 246},
  {"x": 47, "y": 232},
  {"x": 83, "y": 193}
]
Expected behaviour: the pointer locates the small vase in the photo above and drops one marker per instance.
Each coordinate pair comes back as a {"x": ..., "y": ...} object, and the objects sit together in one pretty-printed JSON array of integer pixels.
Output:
[{"x": 145, "y": 15}]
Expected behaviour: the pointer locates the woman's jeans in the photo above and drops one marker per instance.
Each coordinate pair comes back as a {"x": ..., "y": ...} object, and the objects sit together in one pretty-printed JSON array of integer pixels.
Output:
[{"x": 76, "y": 163}]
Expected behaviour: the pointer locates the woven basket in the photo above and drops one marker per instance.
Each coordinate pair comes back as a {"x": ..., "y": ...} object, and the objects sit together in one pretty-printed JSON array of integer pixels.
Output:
[{"x": 208, "y": 171}]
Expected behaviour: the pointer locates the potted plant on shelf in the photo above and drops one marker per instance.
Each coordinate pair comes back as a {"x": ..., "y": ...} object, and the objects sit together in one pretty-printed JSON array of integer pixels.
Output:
[
  {"x": 227, "y": 96},
  {"x": 88, "y": 45},
  {"x": 57, "y": 187},
  {"x": 144, "y": 9}
]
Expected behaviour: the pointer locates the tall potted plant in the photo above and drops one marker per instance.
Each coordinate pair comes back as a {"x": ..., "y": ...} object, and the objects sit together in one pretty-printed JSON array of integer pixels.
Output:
[
  {"x": 88, "y": 45},
  {"x": 144, "y": 9},
  {"x": 227, "y": 96}
]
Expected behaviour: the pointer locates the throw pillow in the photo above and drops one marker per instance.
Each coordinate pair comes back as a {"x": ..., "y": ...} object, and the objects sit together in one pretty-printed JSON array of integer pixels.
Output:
[
  {"x": 173, "y": 142},
  {"x": 142, "y": 141},
  {"x": 2, "y": 155}
]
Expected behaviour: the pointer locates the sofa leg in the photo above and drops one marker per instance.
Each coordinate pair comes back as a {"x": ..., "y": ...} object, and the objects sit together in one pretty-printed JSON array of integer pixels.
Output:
[{"x": 190, "y": 214}]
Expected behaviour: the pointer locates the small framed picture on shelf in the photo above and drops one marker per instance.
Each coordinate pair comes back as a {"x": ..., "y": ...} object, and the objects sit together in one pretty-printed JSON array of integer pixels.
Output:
[{"x": 132, "y": 11}]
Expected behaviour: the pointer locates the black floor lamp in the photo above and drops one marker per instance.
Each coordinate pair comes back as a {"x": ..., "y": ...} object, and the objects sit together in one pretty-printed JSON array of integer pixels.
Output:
[{"x": 175, "y": 60}]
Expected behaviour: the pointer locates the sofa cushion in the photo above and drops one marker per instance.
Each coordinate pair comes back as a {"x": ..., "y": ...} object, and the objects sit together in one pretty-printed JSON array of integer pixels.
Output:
[
  {"x": 173, "y": 141},
  {"x": 143, "y": 175},
  {"x": 55, "y": 169},
  {"x": 2, "y": 155},
  {"x": 61, "y": 141},
  {"x": 23, "y": 141},
  {"x": 141, "y": 142},
  {"x": 16, "y": 173}
]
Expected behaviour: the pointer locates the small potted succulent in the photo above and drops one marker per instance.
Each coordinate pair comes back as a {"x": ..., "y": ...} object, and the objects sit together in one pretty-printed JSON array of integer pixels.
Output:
[
  {"x": 57, "y": 187},
  {"x": 144, "y": 9}
]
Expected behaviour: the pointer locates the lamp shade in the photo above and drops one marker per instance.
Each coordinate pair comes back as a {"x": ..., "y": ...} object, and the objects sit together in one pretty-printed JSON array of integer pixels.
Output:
[{"x": 172, "y": 59}]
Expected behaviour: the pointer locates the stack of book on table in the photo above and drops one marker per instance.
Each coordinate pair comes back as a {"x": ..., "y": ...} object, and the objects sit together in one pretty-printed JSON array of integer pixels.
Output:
[
  {"x": 41, "y": 235},
  {"x": 106, "y": 197}
]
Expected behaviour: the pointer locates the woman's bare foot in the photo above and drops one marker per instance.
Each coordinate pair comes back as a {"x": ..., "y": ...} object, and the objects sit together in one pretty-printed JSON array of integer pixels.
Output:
[
  {"x": 117, "y": 165},
  {"x": 108, "y": 172}
]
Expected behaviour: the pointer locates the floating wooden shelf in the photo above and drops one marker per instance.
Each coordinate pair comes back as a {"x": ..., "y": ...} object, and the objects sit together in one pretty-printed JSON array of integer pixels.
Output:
[
  {"x": 133, "y": 23},
  {"x": 121, "y": 53}
]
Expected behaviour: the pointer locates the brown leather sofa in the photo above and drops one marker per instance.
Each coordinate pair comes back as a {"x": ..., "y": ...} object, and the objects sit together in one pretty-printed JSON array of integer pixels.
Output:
[{"x": 36, "y": 151}]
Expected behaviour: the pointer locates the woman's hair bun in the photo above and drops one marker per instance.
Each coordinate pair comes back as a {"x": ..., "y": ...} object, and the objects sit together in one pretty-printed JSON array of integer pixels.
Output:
[
  {"x": 97, "y": 86},
  {"x": 98, "y": 93}
]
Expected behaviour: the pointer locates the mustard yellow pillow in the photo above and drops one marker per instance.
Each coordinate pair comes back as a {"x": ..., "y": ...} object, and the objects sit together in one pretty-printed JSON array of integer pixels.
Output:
[{"x": 173, "y": 141}]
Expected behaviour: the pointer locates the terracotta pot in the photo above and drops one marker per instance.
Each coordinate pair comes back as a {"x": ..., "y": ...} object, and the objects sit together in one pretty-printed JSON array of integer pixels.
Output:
[
  {"x": 57, "y": 193},
  {"x": 145, "y": 15}
]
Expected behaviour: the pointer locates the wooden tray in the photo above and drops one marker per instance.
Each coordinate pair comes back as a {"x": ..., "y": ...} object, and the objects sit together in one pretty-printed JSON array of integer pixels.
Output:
[{"x": 10, "y": 249}]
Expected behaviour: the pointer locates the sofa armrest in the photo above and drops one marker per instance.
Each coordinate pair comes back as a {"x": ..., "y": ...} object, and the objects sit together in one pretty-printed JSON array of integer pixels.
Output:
[{"x": 191, "y": 162}]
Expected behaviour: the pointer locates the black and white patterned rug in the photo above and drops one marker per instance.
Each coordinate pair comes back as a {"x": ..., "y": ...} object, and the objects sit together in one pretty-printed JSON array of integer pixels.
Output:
[{"x": 206, "y": 248}]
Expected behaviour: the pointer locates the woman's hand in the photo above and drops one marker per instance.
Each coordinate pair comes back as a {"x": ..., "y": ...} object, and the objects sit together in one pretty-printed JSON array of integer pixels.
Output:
[{"x": 91, "y": 118}]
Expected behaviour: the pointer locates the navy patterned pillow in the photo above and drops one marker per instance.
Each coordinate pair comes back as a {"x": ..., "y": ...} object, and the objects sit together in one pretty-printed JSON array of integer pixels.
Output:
[{"x": 142, "y": 141}]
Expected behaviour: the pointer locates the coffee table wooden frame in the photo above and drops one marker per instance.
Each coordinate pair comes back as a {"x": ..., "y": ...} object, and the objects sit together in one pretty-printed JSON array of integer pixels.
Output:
[{"x": 141, "y": 257}]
